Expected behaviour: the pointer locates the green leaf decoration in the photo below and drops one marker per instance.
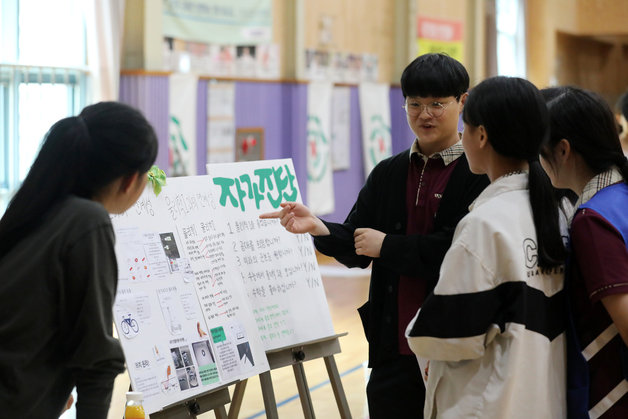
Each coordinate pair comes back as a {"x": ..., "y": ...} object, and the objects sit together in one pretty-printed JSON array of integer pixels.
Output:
[{"x": 157, "y": 178}]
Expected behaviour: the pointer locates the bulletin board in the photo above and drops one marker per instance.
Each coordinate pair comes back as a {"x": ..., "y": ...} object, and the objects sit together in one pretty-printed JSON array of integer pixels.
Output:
[{"x": 205, "y": 287}]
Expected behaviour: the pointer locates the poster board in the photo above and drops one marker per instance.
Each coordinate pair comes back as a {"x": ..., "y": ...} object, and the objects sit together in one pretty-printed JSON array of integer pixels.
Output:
[
  {"x": 279, "y": 269},
  {"x": 192, "y": 310},
  {"x": 185, "y": 326}
]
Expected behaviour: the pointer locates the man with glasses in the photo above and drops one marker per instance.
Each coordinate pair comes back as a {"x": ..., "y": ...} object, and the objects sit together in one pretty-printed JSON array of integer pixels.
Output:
[{"x": 403, "y": 222}]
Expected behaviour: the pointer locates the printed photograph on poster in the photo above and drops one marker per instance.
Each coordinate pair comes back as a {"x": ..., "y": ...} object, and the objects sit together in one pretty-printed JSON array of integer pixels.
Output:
[
  {"x": 249, "y": 144},
  {"x": 203, "y": 353},
  {"x": 191, "y": 374},
  {"x": 244, "y": 351}
]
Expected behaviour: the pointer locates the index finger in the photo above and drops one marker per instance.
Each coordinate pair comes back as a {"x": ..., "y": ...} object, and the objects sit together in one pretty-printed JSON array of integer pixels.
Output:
[{"x": 276, "y": 214}]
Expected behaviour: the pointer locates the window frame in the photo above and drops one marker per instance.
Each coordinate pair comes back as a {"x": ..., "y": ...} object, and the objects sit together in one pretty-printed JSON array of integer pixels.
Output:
[{"x": 14, "y": 74}]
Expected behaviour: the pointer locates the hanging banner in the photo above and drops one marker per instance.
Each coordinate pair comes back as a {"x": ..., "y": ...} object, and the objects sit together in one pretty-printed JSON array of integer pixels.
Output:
[
  {"x": 242, "y": 22},
  {"x": 375, "y": 115},
  {"x": 341, "y": 128},
  {"x": 320, "y": 186},
  {"x": 440, "y": 35},
  {"x": 182, "y": 127},
  {"x": 221, "y": 122}
]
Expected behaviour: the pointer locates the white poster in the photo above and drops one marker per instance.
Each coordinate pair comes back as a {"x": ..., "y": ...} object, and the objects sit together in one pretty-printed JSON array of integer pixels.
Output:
[
  {"x": 185, "y": 325},
  {"x": 278, "y": 269},
  {"x": 221, "y": 122},
  {"x": 320, "y": 185},
  {"x": 341, "y": 128},
  {"x": 375, "y": 115},
  {"x": 182, "y": 127}
]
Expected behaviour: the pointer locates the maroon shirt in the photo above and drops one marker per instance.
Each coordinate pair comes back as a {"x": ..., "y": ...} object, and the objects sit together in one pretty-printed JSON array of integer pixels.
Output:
[
  {"x": 425, "y": 185},
  {"x": 599, "y": 269}
]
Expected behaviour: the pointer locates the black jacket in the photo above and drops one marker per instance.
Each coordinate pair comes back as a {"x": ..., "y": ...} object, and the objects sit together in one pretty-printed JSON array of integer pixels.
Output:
[{"x": 381, "y": 205}]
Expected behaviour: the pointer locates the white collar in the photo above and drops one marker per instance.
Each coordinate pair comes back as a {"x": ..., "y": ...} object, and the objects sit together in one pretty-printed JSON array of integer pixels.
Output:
[{"x": 507, "y": 183}]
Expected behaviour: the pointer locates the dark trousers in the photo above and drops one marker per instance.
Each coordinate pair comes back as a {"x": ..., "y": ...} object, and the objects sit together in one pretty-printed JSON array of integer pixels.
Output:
[{"x": 396, "y": 390}]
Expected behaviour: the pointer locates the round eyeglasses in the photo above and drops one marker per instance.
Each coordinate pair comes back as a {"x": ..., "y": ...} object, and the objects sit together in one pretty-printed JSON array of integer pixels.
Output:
[{"x": 434, "y": 109}]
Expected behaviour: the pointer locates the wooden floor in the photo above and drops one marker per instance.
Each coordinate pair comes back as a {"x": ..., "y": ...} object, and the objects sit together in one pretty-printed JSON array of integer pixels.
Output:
[{"x": 346, "y": 290}]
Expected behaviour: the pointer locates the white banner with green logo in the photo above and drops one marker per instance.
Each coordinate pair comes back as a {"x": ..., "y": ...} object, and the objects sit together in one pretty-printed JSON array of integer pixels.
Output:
[
  {"x": 320, "y": 185},
  {"x": 182, "y": 125},
  {"x": 375, "y": 115},
  {"x": 241, "y": 22}
]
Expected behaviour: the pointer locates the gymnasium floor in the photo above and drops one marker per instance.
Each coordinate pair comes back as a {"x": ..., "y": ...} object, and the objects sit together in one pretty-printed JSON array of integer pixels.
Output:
[{"x": 346, "y": 290}]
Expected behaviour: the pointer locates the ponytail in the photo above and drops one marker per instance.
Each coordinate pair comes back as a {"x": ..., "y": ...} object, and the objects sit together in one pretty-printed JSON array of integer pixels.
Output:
[
  {"x": 52, "y": 176},
  {"x": 516, "y": 121},
  {"x": 551, "y": 249}
]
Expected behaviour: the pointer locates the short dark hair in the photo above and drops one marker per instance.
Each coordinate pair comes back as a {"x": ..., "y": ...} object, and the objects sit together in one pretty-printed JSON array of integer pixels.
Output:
[
  {"x": 436, "y": 75},
  {"x": 585, "y": 119},
  {"x": 515, "y": 117},
  {"x": 80, "y": 155}
]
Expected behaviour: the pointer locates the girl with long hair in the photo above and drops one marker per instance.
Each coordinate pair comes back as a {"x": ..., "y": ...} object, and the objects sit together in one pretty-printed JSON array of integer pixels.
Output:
[
  {"x": 493, "y": 329},
  {"x": 59, "y": 271},
  {"x": 584, "y": 153}
]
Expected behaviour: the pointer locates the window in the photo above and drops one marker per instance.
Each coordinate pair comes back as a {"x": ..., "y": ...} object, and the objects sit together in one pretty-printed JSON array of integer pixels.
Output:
[
  {"x": 42, "y": 79},
  {"x": 510, "y": 19}
]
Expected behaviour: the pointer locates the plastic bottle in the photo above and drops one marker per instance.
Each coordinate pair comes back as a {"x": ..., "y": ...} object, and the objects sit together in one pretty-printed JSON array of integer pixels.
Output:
[{"x": 134, "y": 408}]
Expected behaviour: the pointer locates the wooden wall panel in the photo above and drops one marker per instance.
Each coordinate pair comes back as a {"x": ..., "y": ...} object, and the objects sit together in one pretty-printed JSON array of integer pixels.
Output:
[
  {"x": 580, "y": 42},
  {"x": 356, "y": 26}
]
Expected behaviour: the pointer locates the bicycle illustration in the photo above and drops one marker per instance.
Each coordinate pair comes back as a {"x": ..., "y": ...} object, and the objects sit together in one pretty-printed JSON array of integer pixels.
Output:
[{"x": 127, "y": 324}]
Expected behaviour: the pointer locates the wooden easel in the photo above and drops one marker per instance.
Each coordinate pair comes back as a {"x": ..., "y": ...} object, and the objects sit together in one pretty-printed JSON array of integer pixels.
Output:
[
  {"x": 295, "y": 355},
  {"x": 215, "y": 400}
]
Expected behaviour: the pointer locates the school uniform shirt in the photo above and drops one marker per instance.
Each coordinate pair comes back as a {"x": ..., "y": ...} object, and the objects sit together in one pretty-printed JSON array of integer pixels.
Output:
[
  {"x": 428, "y": 177},
  {"x": 493, "y": 329},
  {"x": 599, "y": 268},
  {"x": 57, "y": 290}
]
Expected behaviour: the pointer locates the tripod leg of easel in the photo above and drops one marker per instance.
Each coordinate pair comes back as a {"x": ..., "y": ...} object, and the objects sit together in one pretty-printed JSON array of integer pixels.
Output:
[
  {"x": 304, "y": 391},
  {"x": 269, "y": 395},
  {"x": 221, "y": 412},
  {"x": 236, "y": 399},
  {"x": 336, "y": 385}
]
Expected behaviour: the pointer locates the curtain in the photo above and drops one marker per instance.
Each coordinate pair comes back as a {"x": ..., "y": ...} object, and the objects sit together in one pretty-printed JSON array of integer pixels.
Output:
[{"x": 104, "y": 22}]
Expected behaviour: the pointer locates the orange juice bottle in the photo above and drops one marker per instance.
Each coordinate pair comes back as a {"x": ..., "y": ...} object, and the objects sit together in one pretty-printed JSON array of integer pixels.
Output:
[{"x": 134, "y": 408}]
